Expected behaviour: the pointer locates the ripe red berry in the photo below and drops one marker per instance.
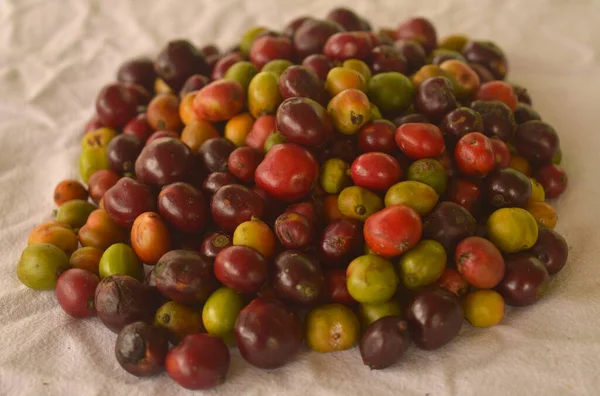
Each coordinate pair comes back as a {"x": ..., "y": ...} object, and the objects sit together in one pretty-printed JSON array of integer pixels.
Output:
[
  {"x": 474, "y": 154},
  {"x": 420, "y": 140}
]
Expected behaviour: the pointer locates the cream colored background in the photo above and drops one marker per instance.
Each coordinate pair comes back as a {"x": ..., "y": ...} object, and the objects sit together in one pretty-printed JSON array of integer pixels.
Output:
[{"x": 56, "y": 55}]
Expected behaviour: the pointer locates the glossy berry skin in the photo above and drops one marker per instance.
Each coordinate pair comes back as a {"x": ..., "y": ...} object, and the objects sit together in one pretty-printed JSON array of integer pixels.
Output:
[
  {"x": 410, "y": 118},
  {"x": 122, "y": 151},
  {"x": 310, "y": 209},
  {"x": 162, "y": 112},
  {"x": 479, "y": 262},
  {"x": 164, "y": 161},
  {"x": 138, "y": 71},
  {"x": 75, "y": 290},
  {"x": 139, "y": 127},
  {"x": 215, "y": 180},
  {"x": 474, "y": 155},
  {"x": 435, "y": 98},
  {"x": 214, "y": 154},
  {"x": 219, "y": 101},
  {"x": 347, "y": 18},
  {"x": 420, "y": 140},
  {"x": 484, "y": 308},
  {"x": 466, "y": 81},
  {"x": 261, "y": 129},
  {"x": 551, "y": 249},
  {"x": 501, "y": 153},
  {"x": 375, "y": 171},
  {"x": 525, "y": 281},
  {"x": 183, "y": 206},
  {"x": 387, "y": 58},
  {"x": 336, "y": 289},
  {"x": 413, "y": 53},
  {"x": 340, "y": 242},
  {"x": 452, "y": 281},
  {"x": 243, "y": 161},
  {"x": 241, "y": 268},
  {"x": 200, "y": 361},
  {"x": 68, "y": 190},
  {"x": 348, "y": 45},
  {"x": 268, "y": 334},
  {"x": 267, "y": 48},
  {"x": 224, "y": 63},
  {"x": 142, "y": 94},
  {"x": 464, "y": 193},
  {"x": 498, "y": 90},
  {"x": 100, "y": 232},
  {"x": 434, "y": 318},
  {"x": 449, "y": 224},
  {"x": 553, "y": 178},
  {"x": 288, "y": 172},
  {"x": 318, "y": 63},
  {"x": 377, "y": 135},
  {"x": 194, "y": 83},
  {"x": 482, "y": 72},
  {"x": 507, "y": 188},
  {"x": 233, "y": 204},
  {"x": 488, "y": 55},
  {"x": 498, "y": 119},
  {"x": 384, "y": 342},
  {"x": 184, "y": 276},
  {"x": 420, "y": 30},
  {"x": 213, "y": 243},
  {"x": 459, "y": 122},
  {"x": 150, "y": 238},
  {"x": 128, "y": 199},
  {"x": 311, "y": 36},
  {"x": 118, "y": 103},
  {"x": 393, "y": 230},
  {"x": 100, "y": 182},
  {"x": 297, "y": 277},
  {"x": 161, "y": 134},
  {"x": 257, "y": 235},
  {"x": 294, "y": 231},
  {"x": 300, "y": 81},
  {"x": 177, "y": 61},
  {"x": 537, "y": 141},
  {"x": 303, "y": 121}
]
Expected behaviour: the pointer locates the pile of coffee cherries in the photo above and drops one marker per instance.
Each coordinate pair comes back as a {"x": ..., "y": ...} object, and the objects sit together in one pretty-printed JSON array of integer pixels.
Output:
[{"x": 326, "y": 185}]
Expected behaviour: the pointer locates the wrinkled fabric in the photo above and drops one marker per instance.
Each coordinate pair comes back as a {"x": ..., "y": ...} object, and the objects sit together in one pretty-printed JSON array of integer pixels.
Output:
[{"x": 56, "y": 55}]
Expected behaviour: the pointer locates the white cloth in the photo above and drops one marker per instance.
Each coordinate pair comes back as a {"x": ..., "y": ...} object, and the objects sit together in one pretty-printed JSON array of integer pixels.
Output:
[{"x": 56, "y": 55}]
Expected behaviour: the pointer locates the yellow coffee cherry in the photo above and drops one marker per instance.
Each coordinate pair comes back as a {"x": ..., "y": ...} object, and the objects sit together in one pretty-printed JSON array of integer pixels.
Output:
[
  {"x": 537, "y": 192},
  {"x": 543, "y": 213},
  {"x": 257, "y": 235},
  {"x": 483, "y": 308}
]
